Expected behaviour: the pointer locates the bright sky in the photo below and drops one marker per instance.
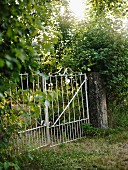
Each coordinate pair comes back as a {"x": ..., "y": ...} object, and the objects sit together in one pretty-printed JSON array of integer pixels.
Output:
[{"x": 77, "y": 7}]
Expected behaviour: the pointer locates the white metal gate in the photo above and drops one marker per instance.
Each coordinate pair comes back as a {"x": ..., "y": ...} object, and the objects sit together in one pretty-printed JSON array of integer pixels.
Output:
[{"x": 61, "y": 103}]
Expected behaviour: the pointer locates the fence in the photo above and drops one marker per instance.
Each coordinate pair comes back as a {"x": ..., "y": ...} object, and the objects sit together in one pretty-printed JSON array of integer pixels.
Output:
[{"x": 56, "y": 107}]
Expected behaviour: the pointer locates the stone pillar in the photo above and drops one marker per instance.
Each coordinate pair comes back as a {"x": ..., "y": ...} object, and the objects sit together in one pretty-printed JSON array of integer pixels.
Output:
[{"x": 97, "y": 101}]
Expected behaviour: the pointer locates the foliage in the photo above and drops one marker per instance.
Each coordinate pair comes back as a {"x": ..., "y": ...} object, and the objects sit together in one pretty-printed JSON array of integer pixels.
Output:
[
  {"x": 20, "y": 109},
  {"x": 92, "y": 131},
  {"x": 97, "y": 44},
  {"x": 35, "y": 36},
  {"x": 10, "y": 124},
  {"x": 100, "y": 46},
  {"x": 64, "y": 25},
  {"x": 26, "y": 33},
  {"x": 118, "y": 114},
  {"x": 117, "y": 7}
]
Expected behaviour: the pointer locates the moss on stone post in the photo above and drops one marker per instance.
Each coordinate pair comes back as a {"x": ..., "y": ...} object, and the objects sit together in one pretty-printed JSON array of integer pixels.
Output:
[{"x": 97, "y": 101}]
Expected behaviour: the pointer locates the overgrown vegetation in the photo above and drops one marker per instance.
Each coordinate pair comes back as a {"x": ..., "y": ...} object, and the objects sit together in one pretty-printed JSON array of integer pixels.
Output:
[
  {"x": 118, "y": 116},
  {"x": 36, "y": 37},
  {"x": 91, "y": 131},
  {"x": 26, "y": 33}
]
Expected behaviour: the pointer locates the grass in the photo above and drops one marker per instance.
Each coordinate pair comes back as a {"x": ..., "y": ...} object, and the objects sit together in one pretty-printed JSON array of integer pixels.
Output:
[{"x": 94, "y": 153}]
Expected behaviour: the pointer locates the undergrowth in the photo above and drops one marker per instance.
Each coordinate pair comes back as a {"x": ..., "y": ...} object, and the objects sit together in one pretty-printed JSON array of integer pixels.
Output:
[{"x": 91, "y": 131}]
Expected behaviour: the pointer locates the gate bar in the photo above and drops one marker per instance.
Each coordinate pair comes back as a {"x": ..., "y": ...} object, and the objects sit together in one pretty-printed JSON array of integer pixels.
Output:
[{"x": 70, "y": 101}]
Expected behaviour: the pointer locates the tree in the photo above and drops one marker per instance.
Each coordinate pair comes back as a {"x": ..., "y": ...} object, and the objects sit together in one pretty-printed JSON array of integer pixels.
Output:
[
  {"x": 64, "y": 23},
  {"x": 99, "y": 44},
  {"x": 117, "y": 7},
  {"x": 26, "y": 33}
]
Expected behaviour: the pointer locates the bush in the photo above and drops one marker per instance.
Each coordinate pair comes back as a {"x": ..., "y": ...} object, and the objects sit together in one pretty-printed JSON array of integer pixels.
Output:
[
  {"x": 118, "y": 115},
  {"x": 91, "y": 131}
]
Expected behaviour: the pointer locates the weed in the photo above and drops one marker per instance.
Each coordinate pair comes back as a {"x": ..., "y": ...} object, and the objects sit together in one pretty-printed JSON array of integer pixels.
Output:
[{"x": 91, "y": 131}]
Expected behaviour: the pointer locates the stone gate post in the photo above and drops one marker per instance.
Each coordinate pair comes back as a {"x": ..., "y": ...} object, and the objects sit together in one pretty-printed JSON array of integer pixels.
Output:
[{"x": 97, "y": 101}]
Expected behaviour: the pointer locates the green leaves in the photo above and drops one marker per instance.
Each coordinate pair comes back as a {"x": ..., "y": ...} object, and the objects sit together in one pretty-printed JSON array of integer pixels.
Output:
[
  {"x": 1, "y": 62},
  {"x": 21, "y": 24},
  {"x": 104, "y": 6},
  {"x": 27, "y": 31}
]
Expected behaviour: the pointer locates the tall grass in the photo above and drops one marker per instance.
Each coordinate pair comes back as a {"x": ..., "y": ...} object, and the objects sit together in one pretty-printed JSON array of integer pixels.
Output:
[{"x": 118, "y": 115}]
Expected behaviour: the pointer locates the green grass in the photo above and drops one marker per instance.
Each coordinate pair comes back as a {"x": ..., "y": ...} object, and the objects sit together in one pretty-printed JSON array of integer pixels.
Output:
[{"x": 94, "y": 153}]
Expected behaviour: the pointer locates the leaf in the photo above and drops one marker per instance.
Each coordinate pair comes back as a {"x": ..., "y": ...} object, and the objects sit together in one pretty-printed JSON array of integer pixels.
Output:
[
  {"x": 9, "y": 64},
  {"x": 37, "y": 111},
  {"x": 1, "y": 62},
  {"x": 30, "y": 156},
  {"x": 7, "y": 165}
]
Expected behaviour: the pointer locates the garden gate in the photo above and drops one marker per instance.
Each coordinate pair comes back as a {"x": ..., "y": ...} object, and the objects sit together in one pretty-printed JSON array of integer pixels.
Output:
[{"x": 56, "y": 106}]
